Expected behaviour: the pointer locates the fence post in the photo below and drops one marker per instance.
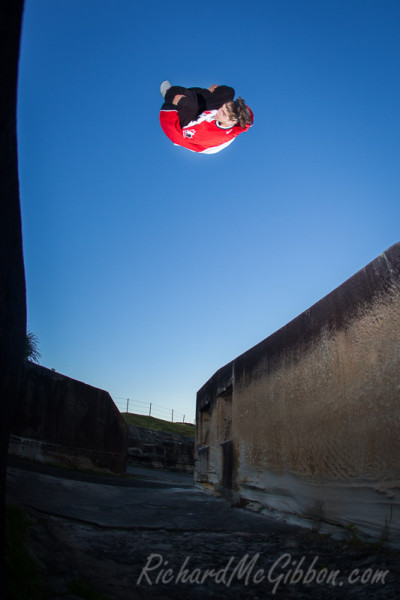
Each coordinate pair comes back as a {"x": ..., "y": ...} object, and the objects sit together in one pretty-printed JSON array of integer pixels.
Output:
[
  {"x": 183, "y": 418},
  {"x": 127, "y": 405},
  {"x": 172, "y": 415},
  {"x": 150, "y": 410}
]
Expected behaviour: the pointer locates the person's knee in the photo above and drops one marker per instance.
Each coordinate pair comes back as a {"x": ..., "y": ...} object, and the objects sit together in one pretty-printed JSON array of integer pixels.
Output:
[{"x": 172, "y": 92}]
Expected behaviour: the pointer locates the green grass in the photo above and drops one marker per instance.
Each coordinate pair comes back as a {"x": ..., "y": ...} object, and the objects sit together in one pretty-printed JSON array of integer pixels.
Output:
[
  {"x": 23, "y": 574},
  {"x": 159, "y": 424}
]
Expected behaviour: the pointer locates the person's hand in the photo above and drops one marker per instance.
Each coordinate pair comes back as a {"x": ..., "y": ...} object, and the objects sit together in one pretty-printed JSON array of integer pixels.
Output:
[
  {"x": 177, "y": 98},
  {"x": 213, "y": 87}
]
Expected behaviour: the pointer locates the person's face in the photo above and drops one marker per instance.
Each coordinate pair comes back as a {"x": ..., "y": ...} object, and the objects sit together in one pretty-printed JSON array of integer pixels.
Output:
[{"x": 222, "y": 116}]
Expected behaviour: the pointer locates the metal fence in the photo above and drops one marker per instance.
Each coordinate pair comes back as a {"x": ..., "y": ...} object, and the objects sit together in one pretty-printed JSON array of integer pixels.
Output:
[{"x": 128, "y": 405}]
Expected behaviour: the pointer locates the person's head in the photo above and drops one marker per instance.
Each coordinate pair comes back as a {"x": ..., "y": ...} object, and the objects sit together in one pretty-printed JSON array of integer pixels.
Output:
[{"x": 234, "y": 113}]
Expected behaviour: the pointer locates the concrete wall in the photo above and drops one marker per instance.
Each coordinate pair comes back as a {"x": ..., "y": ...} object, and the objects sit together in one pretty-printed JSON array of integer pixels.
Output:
[
  {"x": 308, "y": 421},
  {"x": 64, "y": 421},
  {"x": 160, "y": 449},
  {"x": 12, "y": 279}
]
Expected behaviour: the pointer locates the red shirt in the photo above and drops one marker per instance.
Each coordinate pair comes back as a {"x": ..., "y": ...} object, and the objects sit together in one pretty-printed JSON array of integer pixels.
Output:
[{"x": 202, "y": 135}]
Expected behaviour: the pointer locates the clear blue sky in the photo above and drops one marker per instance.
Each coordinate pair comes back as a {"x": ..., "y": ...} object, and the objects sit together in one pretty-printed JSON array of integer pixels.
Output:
[{"x": 148, "y": 267}]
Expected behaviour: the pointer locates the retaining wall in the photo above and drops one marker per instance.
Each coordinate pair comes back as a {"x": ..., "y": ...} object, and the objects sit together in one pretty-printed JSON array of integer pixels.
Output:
[
  {"x": 307, "y": 422},
  {"x": 160, "y": 449},
  {"x": 64, "y": 421}
]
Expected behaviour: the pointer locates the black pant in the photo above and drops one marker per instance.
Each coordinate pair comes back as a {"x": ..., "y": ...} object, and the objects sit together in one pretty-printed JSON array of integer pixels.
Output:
[
  {"x": 196, "y": 101},
  {"x": 189, "y": 107}
]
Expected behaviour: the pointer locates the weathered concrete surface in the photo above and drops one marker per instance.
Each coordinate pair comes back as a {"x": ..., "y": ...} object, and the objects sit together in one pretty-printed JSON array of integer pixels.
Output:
[
  {"x": 104, "y": 530},
  {"x": 12, "y": 278},
  {"x": 308, "y": 421},
  {"x": 64, "y": 421},
  {"x": 160, "y": 449}
]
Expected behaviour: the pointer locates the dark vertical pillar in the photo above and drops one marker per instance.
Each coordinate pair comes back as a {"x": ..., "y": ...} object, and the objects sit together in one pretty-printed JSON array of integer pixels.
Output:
[
  {"x": 227, "y": 464},
  {"x": 12, "y": 278}
]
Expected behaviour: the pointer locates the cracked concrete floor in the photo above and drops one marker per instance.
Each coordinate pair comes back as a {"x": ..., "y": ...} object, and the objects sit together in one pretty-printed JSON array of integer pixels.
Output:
[{"x": 156, "y": 536}]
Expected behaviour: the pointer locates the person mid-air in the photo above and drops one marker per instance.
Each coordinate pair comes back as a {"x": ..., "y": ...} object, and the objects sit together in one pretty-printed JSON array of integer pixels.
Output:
[{"x": 203, "y": 120}]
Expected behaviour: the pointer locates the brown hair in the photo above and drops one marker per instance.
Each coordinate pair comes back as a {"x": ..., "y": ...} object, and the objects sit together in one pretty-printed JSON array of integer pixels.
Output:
[{"x": 238, "y": 111}]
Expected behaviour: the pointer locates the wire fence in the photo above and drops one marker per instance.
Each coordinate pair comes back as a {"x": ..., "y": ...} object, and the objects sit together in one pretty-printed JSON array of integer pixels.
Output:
[{"x": 128, "y": 405}]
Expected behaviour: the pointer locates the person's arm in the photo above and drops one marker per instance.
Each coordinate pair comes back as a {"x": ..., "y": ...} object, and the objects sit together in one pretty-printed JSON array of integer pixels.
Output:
[
  {"x": 187, "y": 106},
  {"x": 177, "y": 98}
]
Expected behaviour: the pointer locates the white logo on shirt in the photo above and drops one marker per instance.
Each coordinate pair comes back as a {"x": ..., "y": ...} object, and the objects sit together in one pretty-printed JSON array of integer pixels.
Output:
[{"x": 189, "y": 133}]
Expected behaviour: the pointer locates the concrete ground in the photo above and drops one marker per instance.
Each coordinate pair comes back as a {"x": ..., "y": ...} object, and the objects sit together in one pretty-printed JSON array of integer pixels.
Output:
[{"x": 154, "y": 535}]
